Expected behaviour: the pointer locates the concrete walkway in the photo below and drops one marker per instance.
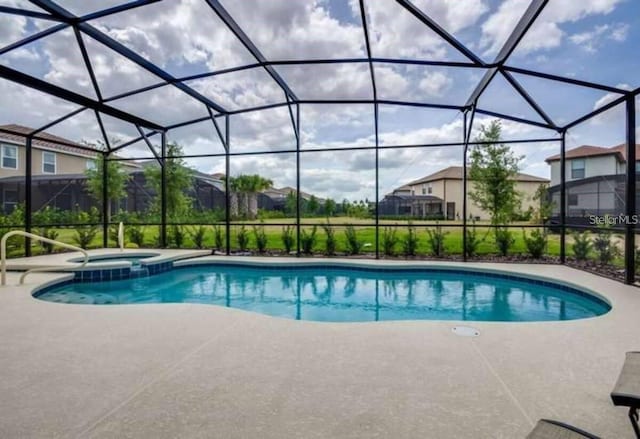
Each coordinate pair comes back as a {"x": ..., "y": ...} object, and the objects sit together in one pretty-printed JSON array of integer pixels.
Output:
[{"x": 181, "y": 370}]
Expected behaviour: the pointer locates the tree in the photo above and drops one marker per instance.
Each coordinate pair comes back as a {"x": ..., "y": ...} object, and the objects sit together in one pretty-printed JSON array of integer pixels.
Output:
[
  {"x": 329, "y": 207},
  {"x": 313, "y": 205},
  {"x": 179, "y": 179},
  {"x": 545, "y": 204},
  {"x": 246, "y": 188},
  {"x": 117, "y": 179},
  {"x": 493, "y": 170},
  {"x": 290, "y": 204}
]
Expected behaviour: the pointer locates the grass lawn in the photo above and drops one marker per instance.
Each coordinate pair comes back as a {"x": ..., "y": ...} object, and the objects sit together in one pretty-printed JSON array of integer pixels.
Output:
[{"x": 365, "y": 235}]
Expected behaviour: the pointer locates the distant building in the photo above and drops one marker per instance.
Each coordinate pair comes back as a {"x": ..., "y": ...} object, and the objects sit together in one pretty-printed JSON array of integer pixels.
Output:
[
  {"x": 594, "y": 180},
  {"x": 439, "y": 195},
  {"x": 59, "y": 180}
]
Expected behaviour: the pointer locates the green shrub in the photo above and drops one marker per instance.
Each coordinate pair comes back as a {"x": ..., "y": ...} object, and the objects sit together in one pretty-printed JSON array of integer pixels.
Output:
[
  {"x": 472, "y": 240},
  {"x": 435, "y": 240},
  {"x": 330, "y": 243},
  {"x": 581, "y": 245},
  {"x": 84, "y": 235},
  {"x": 389, "y": 241},
  {"x": 604, "y": 247},
  {"x": 218, "y": 238},
  {"x": 287, "y": 238},
  {"x": 536, "y": 243},
  {"x": 177, "y": 235},
  {"x": 410, "y": 242},
  {"x": 197, "y": 236},
  {"x": 261, "y": 238},
  {"x": 50, "y": 234},
  {"x": 354, "y": 246},
  {"x": 270, "y": 214},
  {"x": 136, "y": 234},
  {"x": 504, "y": 240},
  {"x": 243, "y": 239},
  {"x": 308, "y": 240}
]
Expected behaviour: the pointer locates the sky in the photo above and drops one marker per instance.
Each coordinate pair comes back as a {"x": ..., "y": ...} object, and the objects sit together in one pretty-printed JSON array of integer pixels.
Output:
[{"x": 592, "y": 40}]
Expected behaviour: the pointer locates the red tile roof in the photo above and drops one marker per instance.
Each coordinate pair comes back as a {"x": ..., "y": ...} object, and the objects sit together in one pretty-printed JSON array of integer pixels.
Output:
[
  {"x": 45, "y": 140},
  {"x": 592, "y": 151}
]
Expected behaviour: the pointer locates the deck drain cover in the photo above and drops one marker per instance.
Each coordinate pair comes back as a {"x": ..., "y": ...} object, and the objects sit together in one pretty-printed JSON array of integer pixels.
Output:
[{"x": 465, "y": 331}]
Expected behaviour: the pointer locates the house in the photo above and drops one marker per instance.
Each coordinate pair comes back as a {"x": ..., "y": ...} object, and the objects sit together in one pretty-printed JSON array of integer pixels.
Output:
[
  {"x": 56, "y": 168},
  {"x": 59, "y": 179},
  {"x": 439, "y": 195},
  {"x": 594, "y": 180}
]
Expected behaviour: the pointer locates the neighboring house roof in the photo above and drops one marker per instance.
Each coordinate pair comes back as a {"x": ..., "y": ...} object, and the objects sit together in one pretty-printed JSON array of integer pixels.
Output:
[
  {"x": 284, "y": 191},
  {"x": 584, "y": 151},
  {"x": 455, "y": 173},
  {"x": 47, "y": 141},
  {"x": 43, "y": 177}
]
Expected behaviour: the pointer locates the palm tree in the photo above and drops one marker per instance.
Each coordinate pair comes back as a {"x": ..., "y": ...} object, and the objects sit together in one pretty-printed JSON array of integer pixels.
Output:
[{"x": 245, "y": 191}]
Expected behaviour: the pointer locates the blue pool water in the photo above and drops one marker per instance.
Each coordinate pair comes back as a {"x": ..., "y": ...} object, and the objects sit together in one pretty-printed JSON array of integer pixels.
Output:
[{"x": 346, "y": 295}]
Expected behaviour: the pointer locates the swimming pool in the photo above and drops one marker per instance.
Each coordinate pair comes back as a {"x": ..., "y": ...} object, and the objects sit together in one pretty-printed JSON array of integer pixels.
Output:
[{"x": 335, "y": 294}]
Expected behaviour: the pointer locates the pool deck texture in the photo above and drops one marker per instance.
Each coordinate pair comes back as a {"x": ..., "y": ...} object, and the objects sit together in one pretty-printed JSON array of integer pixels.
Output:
[{"x": 201, "y": 371}]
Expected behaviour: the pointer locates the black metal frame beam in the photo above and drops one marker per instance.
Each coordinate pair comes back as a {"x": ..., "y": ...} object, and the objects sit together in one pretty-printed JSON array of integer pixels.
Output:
[
  {"x": 32, "y": 38},
  {"x": 435, "y": 27},
  {"x": 630, "y": 191},
  {"x": 227, "y": 19},
  {"x": 527, "y": 97},
  {"x": 374, "y": 87},
  {"x": 525, "y": 23},
  {"x": 62, "y": 93},
  {"x": 133, "y": 56}
]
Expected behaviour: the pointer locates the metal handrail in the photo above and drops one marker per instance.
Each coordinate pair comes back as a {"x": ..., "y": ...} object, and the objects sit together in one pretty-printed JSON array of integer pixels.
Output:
[
  {"x": 3, "y": 254},
  {"x": 121, "y": 236}
]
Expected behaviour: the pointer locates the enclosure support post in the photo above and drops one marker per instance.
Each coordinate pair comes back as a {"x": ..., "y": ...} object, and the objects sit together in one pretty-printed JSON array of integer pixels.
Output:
[
  {"x": 563, "y": 198},
  {"x": 467, "y": 136},
  {"x": 105, "y": 200},
  {"x": 227, "y": 194},
  {"x": 28, "y": 202},
  {"x": 464, "y": 187},
  {"x": 630, "y": 192},
  {"x": 298, "y": 198},
  {"x": 163, "y": 191},
  {"x": 375, "y": 109}
]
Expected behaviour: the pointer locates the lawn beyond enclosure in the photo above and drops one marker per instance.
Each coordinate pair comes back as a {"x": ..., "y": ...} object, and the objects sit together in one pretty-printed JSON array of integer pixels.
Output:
[{"x": 365, "y": 234}]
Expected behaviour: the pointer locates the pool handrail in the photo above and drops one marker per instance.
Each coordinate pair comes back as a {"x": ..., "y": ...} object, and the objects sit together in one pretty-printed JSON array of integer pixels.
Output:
[
  {"x": 121, "y": 236},
  {"x": 3, "y": 254}
]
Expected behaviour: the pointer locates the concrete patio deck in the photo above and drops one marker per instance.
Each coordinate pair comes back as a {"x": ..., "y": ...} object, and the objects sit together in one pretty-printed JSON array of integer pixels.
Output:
[{"x": 183, "y": 370}]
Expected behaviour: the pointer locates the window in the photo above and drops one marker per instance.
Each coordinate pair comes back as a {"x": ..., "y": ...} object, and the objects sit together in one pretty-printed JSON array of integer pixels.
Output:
[
  {"x": 424, "y": 190},
  {"x": 577, "y": 168},
  {"x": 429, "y": 189},
  {"x": 91, "y": 164},
  {"x": 9, "y": 157},
  {"x": 48, "y": 162},
  {"x": 10, "y": 200},
  {"x": 573, "y": 199}
]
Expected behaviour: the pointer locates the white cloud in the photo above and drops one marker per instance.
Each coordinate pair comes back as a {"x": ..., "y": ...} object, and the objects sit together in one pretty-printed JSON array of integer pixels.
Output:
[
  {"x": 435, "y": 83},
  {"x": 392, "y": 27},
  {"x": 546, "y": 32},
  {"x": 593, "y": 39}
]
